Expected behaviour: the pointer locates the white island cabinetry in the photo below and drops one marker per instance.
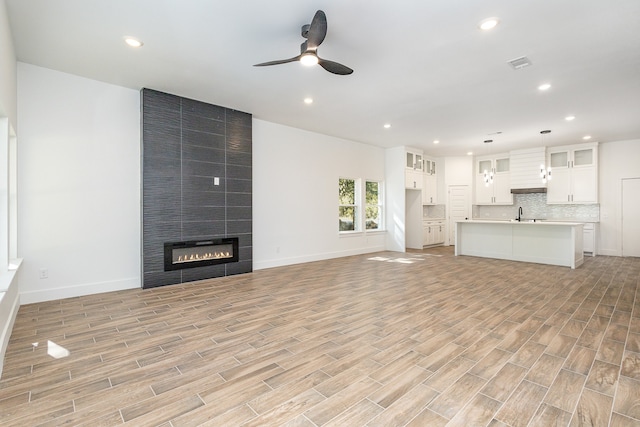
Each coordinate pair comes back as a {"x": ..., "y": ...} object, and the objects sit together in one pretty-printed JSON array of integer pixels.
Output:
[{"x": 555, "y": 243}]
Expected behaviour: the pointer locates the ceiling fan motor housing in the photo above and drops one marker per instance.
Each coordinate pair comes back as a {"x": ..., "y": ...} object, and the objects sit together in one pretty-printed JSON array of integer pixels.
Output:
[{"x": 304, "y": 31}]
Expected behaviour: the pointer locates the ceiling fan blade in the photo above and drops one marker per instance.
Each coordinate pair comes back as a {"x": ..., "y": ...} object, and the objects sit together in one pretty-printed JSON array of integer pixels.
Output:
[
  {"x": 334, "y": 67},
  {"x": 317, "y": 30},
  {"x": 280, "y": 61}
]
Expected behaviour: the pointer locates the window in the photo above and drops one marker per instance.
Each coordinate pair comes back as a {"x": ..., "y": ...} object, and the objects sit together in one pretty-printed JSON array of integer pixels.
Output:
[
  {"x": 373, "y": 205},
  {"x": 351, "y": 199},
  {"x": 347, "y": 205}
]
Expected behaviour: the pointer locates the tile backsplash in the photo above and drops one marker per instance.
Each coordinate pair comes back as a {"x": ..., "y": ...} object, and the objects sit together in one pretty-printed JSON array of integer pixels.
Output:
[
  {"x": 535, "y": 206},
  {"x": 433, "y": 211}
]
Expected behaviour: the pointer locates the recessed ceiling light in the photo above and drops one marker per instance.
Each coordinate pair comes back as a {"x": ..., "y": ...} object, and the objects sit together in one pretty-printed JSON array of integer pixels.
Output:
[
  {"x": 133, "y": 42},
  {"x": 308, "y": 100},
  {"x": 489, "y": 23},
  {"x": 569, "y": 118},
  {"x": 586, "y": 137},
  {"x": 469, "y": 153},
  {"x": 436, "y": 142},
  {"x": 387, "y": 125},
  {"x": 544, "y": 86}
]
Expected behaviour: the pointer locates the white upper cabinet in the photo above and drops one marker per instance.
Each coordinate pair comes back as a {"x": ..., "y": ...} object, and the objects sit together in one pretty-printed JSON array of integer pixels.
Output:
[
  {"x": 413, "y": 173},
  {"x": 414, "y": 161},
  {"x": 492, "y": 177},
  {"x": 430, "y": 184},
  {"x": 574, "y": 174}
]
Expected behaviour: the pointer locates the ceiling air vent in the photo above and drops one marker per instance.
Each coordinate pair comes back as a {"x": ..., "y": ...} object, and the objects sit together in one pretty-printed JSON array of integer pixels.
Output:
[{"x": 519, "y": 63}]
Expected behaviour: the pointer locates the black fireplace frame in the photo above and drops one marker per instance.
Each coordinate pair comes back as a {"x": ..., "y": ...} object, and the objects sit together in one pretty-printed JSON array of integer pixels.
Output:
[{"x": 169, "y": 265}]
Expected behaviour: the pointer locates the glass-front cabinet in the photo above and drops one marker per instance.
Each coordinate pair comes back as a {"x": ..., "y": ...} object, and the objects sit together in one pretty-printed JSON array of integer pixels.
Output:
[
  {"x": 493, "y": 184},
  {"x": 430, "y": 184},
  {"x": 414, "y": 161},
  {"x": 574, "y": 174},
  {"x": 414, "y": 167}
]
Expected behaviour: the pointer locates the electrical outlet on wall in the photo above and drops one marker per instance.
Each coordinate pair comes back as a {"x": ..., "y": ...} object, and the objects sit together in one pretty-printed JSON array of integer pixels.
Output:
[{"x": 44, "y": 273}]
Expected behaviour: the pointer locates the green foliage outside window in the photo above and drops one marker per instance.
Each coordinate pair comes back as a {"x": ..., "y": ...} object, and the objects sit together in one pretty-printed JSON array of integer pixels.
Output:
[
  {"x": 347, "y": 204},
  {"x": 373, "y": 205}
]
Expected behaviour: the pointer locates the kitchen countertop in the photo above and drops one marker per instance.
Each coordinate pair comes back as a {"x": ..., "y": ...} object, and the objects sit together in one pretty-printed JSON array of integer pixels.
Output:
[
  {"x": 523, "y": 222},
  {"x": 579, "y": 221}
]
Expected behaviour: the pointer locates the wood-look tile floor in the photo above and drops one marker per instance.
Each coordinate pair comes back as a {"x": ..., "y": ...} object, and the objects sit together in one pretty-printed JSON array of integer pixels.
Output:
[{"x": 387, "y": 339}]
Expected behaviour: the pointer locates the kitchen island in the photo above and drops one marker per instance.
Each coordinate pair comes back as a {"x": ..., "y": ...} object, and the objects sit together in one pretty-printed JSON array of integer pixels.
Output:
[{"x": 546, "y": 242}]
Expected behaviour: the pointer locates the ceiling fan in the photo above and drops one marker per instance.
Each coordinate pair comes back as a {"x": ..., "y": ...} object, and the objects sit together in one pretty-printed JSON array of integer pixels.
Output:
[{"x": 314, "y": 33}]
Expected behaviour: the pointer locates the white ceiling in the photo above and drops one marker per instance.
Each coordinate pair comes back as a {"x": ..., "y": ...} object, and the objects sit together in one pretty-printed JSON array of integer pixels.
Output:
[{"x": 423, "y": 66}]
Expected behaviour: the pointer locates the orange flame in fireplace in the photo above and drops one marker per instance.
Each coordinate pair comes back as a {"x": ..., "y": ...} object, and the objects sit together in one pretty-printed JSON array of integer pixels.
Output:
[{"x": 203, "y": 257}]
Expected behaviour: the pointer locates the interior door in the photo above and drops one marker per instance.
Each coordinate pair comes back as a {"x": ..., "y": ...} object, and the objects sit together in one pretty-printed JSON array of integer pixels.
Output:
[
  {"x": 459, "y": 208},
  {"x": 630, "y": 215}
]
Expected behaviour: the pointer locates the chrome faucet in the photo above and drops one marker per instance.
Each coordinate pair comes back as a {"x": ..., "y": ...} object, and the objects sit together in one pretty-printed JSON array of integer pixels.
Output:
[{"x": 519, "y": 214}]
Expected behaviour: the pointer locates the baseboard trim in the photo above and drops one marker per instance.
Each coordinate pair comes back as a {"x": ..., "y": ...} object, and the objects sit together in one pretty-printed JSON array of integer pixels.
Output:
[
  {"x": 280, "y": 262},
  {"x": 608, "y": 252},
  {"x": 31, "y": 297},
  {"x": 9, "y": 306}
]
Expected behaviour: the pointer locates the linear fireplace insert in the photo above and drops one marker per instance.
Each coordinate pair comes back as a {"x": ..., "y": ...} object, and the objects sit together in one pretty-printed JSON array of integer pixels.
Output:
[{"x": 198, "y": 253}]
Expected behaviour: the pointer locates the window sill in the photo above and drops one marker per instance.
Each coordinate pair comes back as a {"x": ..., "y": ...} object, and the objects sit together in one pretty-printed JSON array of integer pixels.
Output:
[
  {"x": 360, "y": 233},
  {"x": 350, "y": 233}
]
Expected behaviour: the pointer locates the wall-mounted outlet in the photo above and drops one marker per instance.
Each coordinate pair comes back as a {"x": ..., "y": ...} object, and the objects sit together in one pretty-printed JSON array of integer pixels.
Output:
[
  {"x": 216, "y": 180},
  {"x": 44, "y": 273}
]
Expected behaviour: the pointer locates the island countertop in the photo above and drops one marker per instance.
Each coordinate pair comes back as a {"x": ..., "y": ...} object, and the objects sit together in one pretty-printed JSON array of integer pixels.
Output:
[
  {"x": 523, "y": 222},
  {"x": 544, "y": 242}
]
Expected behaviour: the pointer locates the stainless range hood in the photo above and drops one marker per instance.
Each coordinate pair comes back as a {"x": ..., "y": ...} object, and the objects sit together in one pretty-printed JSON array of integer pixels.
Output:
[{"x": 528, "y": 190}]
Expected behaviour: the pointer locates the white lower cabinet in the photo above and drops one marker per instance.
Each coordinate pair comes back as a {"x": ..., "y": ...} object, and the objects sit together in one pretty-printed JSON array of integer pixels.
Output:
[
  {"x": 433, "y": 232},
  {"x": 589, "y": 238}
]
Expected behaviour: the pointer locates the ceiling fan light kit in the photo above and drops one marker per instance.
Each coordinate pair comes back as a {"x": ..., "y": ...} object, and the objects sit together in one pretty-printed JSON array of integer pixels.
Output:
[
  {"x": 308, "y": 59},
  {"x": 315, "y": 34}
]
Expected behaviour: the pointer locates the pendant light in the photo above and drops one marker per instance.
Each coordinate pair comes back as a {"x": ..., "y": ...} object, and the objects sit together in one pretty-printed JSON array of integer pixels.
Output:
[
  {"x": 488, "y": 175},
  {"x": 545, "y": 172}
]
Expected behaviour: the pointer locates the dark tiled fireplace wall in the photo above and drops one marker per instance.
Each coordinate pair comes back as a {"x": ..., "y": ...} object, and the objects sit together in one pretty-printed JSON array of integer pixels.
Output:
[{"x": 186, "y": 145}]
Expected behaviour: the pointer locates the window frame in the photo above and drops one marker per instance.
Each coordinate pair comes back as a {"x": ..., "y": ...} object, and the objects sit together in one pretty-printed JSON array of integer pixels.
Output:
[
  {"x": 379, "y": 205},
  {"x": 360, "y": 206},
  {"x": 357, "y": 206}
]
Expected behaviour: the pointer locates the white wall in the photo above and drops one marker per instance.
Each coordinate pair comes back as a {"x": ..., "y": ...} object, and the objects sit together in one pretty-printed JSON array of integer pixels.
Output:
[
  {"x": 7, "y": 70},
  {"x": 295, "y": 194},
  {"x": 78, "y": 185},
  {"x": 458, "y": 171},
  {"x": 395, "y": 160},
  {"x": 9, "y": 284},
  {"x": 616, "y": 161}
]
